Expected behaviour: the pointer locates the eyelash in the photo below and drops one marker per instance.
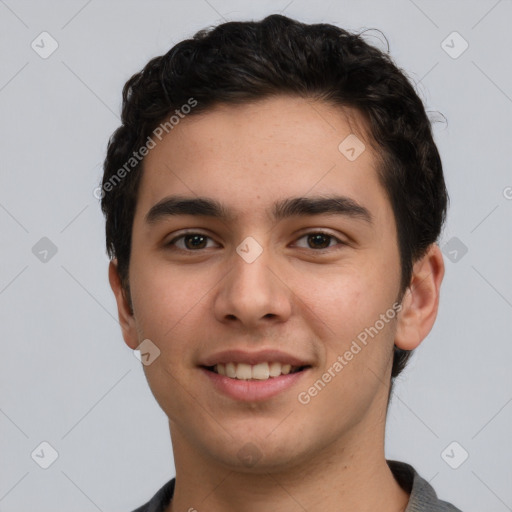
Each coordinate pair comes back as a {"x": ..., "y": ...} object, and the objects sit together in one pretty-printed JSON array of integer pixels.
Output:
[{"x": 172, "y": 243}]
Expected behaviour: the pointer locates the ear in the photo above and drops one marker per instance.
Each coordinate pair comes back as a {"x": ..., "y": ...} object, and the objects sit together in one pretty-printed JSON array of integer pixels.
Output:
[
  {"x": 421, "y": 300},
  {"x": 126, "y": 318}
]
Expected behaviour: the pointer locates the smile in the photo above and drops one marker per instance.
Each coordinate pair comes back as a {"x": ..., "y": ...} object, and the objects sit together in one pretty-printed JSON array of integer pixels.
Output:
[
  {"x": 260, "y": 371},
  {"x": 243, "y": 388}
]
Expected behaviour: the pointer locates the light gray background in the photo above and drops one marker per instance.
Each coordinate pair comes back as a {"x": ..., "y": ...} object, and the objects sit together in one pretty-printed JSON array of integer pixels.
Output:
[{"x": 66, "y": 376}]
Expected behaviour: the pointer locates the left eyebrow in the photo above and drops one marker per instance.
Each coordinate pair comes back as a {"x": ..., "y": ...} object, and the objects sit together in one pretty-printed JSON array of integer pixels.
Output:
[
  {"x": 322, "y": 205},
  {"x": 282, "y": 209}
]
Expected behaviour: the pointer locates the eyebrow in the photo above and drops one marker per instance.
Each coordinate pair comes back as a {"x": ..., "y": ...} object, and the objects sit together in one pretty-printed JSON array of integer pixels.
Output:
[{"x": 285, "y": 208}]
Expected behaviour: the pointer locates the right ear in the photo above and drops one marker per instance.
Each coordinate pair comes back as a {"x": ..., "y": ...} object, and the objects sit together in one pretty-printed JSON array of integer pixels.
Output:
[{"x": 124, "y": 311}]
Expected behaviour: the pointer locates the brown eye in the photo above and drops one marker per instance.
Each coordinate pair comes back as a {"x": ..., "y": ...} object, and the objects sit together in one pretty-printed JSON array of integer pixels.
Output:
[
  {"x": 194, "y": 241},
  {"x": 320, "y": 240},
  {"x": 189, "y": 242}
]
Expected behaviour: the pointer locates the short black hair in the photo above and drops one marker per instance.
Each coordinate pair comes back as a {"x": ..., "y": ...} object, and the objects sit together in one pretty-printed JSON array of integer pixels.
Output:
[{"x": 239, "y": 62}]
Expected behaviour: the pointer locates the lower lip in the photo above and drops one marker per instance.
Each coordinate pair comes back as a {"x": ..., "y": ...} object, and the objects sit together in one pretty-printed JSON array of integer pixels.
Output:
[{"x": 253, "y": 390}]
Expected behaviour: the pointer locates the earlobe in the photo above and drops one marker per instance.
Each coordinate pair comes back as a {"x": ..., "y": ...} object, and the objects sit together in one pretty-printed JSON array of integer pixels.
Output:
[
  {"x": 421, "y": 301},
  {"x": 125, "y": 314}
]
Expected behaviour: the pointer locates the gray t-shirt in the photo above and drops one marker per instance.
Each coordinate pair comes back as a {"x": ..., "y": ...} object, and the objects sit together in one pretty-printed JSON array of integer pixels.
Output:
[{"x": 423, "y": 498}]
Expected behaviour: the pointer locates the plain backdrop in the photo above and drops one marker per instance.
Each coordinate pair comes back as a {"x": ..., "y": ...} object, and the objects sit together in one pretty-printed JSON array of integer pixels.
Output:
[{"x": 66, "y": 376}]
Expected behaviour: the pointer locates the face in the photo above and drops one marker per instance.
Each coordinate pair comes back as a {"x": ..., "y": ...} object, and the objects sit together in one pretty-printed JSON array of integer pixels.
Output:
[{"x": 293, "y": 284}]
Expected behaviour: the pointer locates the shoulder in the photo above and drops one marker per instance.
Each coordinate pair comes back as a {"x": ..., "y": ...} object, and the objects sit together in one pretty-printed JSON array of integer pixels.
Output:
[
  {"x": 423, "y": 497},
  {"x": 160, "y": 501}
]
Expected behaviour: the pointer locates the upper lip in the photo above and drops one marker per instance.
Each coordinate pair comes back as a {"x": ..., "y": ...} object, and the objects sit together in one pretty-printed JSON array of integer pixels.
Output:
[{"x": 262, "y": 356}]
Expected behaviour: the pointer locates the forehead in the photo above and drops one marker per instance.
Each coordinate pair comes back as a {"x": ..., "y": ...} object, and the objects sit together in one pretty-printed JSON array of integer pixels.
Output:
[{"x": 251, "y": 155}]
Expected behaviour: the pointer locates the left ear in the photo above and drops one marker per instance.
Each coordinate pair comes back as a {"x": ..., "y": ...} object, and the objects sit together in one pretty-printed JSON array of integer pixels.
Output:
[{"x": 421, "y": 300}]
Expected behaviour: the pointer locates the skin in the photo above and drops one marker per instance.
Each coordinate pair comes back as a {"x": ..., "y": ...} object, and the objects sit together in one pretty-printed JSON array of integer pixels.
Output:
[{"x": 327, "y": 455}]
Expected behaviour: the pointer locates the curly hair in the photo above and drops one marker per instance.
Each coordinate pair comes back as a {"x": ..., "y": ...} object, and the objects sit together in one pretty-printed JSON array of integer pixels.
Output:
[{"x": 238, "y": 62}]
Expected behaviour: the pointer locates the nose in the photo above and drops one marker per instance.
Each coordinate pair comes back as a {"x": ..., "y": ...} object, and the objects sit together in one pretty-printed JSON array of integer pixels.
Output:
[{"x": 253, "y": 294}]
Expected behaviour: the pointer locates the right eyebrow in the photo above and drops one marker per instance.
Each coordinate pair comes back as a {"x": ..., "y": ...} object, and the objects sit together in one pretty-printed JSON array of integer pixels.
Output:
[{"x": 179, "y": 205}]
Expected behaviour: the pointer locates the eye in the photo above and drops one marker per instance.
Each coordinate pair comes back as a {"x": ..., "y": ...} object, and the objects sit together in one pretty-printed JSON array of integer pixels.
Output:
[
  {"x": 191, "y": 241},
  {"x": 320, "y": 240}
]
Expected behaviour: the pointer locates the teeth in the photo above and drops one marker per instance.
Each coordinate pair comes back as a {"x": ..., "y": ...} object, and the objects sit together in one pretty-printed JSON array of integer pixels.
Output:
[
  {"x": 260, "y": 371},
  {"x": 230, "y": 370},
  {"x": 243, "y": 371},
  {"x": 275, "y": 369},
  {"x": 286, "y": 369}
]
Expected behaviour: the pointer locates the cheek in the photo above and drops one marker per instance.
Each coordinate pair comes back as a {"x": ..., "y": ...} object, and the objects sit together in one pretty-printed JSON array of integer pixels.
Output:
[
  {"x": 171, "y": 304},
  {"x": 358, "y": 350},
  {"x": 159, "y": 298},
  {"x": 346, "y": 299},
  {"x": 356, "y": 305}
]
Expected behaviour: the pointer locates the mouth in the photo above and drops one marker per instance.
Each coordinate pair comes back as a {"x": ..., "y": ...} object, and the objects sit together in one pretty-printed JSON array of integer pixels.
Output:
[
  {"x": 256, "y": 372},
  {"x": 259, "y": 382}
]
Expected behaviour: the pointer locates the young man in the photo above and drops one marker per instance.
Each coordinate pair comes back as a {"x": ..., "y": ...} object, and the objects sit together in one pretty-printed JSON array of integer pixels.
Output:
[{"x": 273, "y": 200}]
